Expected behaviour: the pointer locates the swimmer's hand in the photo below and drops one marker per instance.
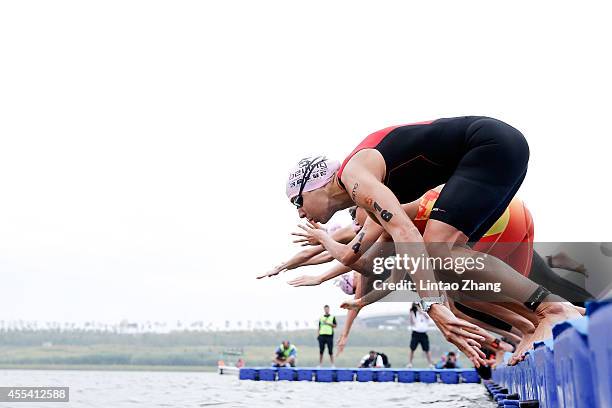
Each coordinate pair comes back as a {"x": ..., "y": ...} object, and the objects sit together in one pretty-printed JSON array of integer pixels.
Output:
[
  {"x": 492, "y": 342},
  {"x": 312, "y": 235},
  {"x": 506, "y": 347},
  {"x": 305, "y": 280},
  {"x": 277, "y": 269},
  {"x": 459, "y": 332},
  {"x": 352, "y": 304}
]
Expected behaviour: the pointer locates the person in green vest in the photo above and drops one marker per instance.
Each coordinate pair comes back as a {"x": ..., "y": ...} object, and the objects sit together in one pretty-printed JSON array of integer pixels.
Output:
[
  {"x": 327, "y": 324},
  {"x": 286, "y": 354}
]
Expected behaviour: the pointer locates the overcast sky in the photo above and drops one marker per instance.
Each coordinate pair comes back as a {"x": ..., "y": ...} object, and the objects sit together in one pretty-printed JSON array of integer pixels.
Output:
[{"x": 145, "y": 144}]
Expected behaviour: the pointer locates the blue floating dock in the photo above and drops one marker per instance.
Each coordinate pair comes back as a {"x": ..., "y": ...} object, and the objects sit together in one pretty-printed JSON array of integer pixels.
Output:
[
  {"x": 365, "y": 375},
  {"x": 287, "y": 374},
  {"x": 406, "y": 376},
  {"x": 428, "y": 376},
  {"x": 544, "y": 373},
  {"x": 573, "y": 364},
  {"x": 345, "y": 374},
  {"x": 469, "y": 376},
  {"x": 451, "y": 376},
  {"x": 324, "y": 375},
  {"x": 384, "y": 375},
  {"x": 247, "y": 374},
  {"x": 571, "y": 370},
  {"x": 266, "y": 374},
  {"x": 600, "y": 327},
  {"x": 304, "y": 374}
]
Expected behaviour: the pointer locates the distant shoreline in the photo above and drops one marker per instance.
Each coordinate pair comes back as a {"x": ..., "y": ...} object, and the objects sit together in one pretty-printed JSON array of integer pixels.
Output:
[
  {"x": 107, "y": 367},
  {"x": 188, "y": 351}
]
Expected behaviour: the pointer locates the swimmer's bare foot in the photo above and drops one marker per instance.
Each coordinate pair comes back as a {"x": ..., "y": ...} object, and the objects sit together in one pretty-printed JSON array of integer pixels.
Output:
[
  {"x": 549, "y": 314},
  {"x": 563, "y": 261}
]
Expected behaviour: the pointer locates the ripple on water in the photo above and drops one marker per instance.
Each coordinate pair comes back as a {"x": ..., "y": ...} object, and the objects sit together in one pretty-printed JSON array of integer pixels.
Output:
[{"x": 99, "y": 389}]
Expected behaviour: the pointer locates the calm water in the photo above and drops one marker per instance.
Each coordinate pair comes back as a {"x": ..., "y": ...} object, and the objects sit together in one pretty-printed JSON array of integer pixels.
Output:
[{"x": 117, "y": 389}]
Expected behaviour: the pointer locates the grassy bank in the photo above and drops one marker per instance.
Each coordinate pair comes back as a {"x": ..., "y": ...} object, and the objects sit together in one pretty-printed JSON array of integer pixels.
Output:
[
  {"x": 104, "y": 367},
  {"x": 180, "y": 358},
  {"x": 192, "y": 351}
]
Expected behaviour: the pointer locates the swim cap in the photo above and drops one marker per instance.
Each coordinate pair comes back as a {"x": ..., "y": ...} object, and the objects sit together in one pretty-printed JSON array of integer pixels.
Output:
[
  {"x": 345, "y": 282},
  {"x": 314, "y": 172}
]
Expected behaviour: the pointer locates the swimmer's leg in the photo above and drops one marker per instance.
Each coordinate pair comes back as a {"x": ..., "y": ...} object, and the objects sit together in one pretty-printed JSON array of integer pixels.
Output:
[
  {"x": 564, "y": 261},
  {"x": 527, "y": 323},
  {"x": 496, "y": 316},
  {"x": 543, "y": 275},
  {"x": 519, "y": 327},
  {"x": 523, "y": 294},
  {"x": 495, "y": 319}
]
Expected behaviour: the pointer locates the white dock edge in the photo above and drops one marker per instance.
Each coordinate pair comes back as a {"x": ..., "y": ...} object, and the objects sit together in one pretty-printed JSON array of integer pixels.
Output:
[{"x": 228, "y": 370}]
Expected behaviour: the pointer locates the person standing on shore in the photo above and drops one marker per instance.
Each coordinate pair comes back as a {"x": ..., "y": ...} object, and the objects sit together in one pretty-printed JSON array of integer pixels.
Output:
[
  {"x": 419, "y": 321},
  {"x": 327, "y": 324}
]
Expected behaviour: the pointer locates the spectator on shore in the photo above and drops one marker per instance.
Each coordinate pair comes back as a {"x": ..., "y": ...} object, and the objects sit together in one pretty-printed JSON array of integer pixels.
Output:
[
  {"x": 419, "y": 321},
  {"x": 449, "y": 361},
  {"x": 286, "y": 355},
  {"x": 327, "y": 324},
  {"x": 374, "y": 359}
]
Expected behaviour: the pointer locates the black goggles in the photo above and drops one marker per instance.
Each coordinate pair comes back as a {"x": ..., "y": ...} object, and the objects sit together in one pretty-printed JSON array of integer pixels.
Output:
[{"x": 298, "y": 200}]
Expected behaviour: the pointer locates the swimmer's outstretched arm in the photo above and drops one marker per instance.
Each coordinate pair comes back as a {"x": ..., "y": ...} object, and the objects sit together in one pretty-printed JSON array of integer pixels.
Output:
[
  {"x": 351, "y": 252},
  {"x": 384, "y": 208},
  {"x": 296, "y": 261},
  {"x": 343, "y": 235},
  {"x": 309, "y": 280},
  {"x": 321, "y": 258},
  {"x": 371, "y": 194},
  {"x": 307, "y": 256},
  {"x": 303, "y": 257}
]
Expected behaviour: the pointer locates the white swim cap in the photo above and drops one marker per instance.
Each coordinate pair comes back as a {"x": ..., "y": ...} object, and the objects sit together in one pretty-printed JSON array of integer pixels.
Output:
[
  {"x": 310, "y": 173},
  {"x": 345, "y": 282}
]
